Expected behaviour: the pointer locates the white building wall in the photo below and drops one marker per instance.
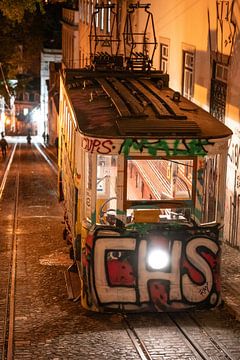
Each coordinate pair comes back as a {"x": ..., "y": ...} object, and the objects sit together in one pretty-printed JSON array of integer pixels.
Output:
[
  {"x": 70, "y": 41},
  {"x": 47, "y": 56}
]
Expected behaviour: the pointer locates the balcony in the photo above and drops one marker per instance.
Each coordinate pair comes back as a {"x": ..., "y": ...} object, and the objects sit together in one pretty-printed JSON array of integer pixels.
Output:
[{"x": 70, "y": 16}]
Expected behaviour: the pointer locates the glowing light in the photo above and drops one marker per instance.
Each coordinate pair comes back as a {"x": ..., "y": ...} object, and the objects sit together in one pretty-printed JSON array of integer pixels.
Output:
[
  {"x": 36, "y": 115},
  {"x": 158, "y": 259}
]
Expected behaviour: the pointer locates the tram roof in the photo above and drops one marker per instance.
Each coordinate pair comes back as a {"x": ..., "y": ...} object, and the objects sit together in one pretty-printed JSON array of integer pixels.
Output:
[{"x": 126, "y": 104}]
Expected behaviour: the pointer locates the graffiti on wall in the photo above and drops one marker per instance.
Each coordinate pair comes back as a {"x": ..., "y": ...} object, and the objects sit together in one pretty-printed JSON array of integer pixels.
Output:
[
  {"x": 234, "y": 197},
  {"x": 116, "y": 270}
]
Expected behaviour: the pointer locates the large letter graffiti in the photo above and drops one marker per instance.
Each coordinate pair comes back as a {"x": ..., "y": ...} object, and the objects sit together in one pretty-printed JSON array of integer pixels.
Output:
[
  {"x": 173, "y": 277},
  {"x": 105, "y": 293},
  {"x": 122, "y": 277},
  {"x": 194, "y": 292}
]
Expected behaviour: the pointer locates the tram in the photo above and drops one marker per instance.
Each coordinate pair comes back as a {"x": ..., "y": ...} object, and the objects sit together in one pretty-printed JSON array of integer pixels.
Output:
[{"x": 142, "y": 178}]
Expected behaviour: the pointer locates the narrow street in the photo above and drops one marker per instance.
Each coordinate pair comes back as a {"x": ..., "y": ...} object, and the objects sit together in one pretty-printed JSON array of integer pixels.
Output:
[{"x": 43, "y": 323}]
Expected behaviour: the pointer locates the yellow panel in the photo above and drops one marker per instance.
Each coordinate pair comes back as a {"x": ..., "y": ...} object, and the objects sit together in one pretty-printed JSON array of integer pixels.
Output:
[
  {"x": 147, "y": 216},
  {"x": 98, "y": 205}
]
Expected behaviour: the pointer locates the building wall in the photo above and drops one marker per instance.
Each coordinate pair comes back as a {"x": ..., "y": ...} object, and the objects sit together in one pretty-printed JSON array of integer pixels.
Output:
[
  {"x": 70, "y": 34},
  {"x": 47, "y": 56}
]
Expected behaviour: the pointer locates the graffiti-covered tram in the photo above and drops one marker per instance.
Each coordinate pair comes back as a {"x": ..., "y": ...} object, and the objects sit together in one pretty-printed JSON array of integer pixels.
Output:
[{"x": 142, "y": 175}]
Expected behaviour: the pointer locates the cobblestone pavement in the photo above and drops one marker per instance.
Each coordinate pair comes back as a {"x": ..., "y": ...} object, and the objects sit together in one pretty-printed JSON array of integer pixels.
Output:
[
  {"x": 231, "y": 279},
  {"x": 48, "y": 325}
]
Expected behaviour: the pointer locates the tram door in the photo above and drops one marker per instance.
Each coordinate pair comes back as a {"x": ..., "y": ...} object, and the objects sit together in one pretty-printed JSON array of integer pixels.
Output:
[{"x": 106, "y": 185}]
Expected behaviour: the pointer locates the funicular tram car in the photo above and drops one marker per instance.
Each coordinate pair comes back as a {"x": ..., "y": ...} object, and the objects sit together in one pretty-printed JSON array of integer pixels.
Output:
[{"x": 142, "y": 176}]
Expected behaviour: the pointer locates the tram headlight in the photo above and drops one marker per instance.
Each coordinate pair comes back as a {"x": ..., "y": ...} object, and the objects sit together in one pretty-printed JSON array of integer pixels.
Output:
[{"x": 158, "y": 259}]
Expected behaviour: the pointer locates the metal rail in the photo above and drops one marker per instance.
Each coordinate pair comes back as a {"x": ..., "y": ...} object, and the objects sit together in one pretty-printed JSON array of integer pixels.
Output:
[
  {"x": 197, "y": 350},
  {"x": 8, "y": 325},
  {"x": 195, "y": 344},
  {"x": 7, "y": 171},
  {"x": 9, "y": 317},
  {"x": 214, "y": 341},
  {"x": 46, "y": 157},
  {"x": 136, "y": 340}
]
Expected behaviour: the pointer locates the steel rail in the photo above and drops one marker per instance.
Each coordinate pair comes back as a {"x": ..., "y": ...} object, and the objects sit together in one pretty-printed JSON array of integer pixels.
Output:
[
  {"x": 48, "y": 160},
  {"x": 2, "y": 186},
  {"x": 136, "y": 340},
  {"x": 214, "y": 341},
  {"x": 8, "y": 325},
  {"x": 195, "y": 344},
  {"x": 198, "y": 352},
  {"x": 13, "y": 277}
]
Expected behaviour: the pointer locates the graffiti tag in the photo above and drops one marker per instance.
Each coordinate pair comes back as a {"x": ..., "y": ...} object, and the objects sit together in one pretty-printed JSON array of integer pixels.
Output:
[
  {"x": 100, "y": 146},
  {"x": 180, "y": 147}
]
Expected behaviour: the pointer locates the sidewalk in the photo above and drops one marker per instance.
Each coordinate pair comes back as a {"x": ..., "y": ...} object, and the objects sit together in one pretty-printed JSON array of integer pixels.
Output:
[{"x": 231, "y": 279}]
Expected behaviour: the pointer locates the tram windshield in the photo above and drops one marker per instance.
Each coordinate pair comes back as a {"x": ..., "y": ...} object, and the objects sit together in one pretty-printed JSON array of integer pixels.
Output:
[{"x": 159, "y": 179}]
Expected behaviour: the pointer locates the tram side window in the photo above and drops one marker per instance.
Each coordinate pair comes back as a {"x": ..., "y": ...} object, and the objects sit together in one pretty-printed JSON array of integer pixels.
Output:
[
  {"x": 88, "y": 165},
  {"x": 88, "y": 184},
  {"x": 210, "y": 188},
  {"x": 106, "y": 183},
  {"x": 159, "y": 179}
]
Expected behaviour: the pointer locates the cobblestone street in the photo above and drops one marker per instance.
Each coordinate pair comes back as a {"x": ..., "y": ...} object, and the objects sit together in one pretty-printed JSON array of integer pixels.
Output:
[{"x": 47, "y": 324}]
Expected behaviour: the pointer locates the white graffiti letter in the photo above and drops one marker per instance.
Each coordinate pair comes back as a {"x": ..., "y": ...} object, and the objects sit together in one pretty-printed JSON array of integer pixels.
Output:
[
  {"x": 193, "y": 292},
  {"x": 174, "y": 277},
  {"x": 107, "y": 294}
]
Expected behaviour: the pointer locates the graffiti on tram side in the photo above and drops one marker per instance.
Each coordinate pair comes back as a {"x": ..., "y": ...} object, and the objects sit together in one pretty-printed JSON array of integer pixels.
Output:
[
  {"x": 116, "y": 270},
  {"x": 179, "y": 147},
  {"x": 98, "y": 145},
  {"x": 168, "y": 147}
]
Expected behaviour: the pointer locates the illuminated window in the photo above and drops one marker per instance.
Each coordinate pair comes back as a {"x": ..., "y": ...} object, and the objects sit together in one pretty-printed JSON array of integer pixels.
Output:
[
  {"x": 102, "y": 18},
  {"x": 109, "y": 18},
  {"x": 25, "y": 111},
  {"x": 188, "y": 72},
  {"x": 164, "y": 58},
  {"x": 159, "y": 179},
  {"x": 221, "y": 72},
  {"x": 87, "y": 12},
  {"x": 97, "y": 16},
  {"x": 81, "y": 9},
  {"x": 92, "y": 7}
]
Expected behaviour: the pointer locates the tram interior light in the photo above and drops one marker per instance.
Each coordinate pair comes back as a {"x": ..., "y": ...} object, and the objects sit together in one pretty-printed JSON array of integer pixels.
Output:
[{"x": 158, "y": 259}]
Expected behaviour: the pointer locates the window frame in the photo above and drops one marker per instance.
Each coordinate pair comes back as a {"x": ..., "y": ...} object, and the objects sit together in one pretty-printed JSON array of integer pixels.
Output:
[
  {"x": 162, "y": 204},
  {"x": 164, "y": 59},
  {"x": 188, "y": 69}
]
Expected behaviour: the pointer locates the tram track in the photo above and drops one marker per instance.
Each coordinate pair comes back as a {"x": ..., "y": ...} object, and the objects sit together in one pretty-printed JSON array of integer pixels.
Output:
[
  {"x": 223, "y": 353},
  {"x": 8, "y": 322},
  {"x": 214, "y": 350},
  {"x": 136, "y": 340},
  {"x": 10, "y": 264}
]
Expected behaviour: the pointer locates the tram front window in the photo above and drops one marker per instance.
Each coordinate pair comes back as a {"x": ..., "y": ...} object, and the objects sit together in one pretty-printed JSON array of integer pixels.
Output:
[
  {"x": 106, "y": 184},
  {"x": 159, "y": 179}
]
